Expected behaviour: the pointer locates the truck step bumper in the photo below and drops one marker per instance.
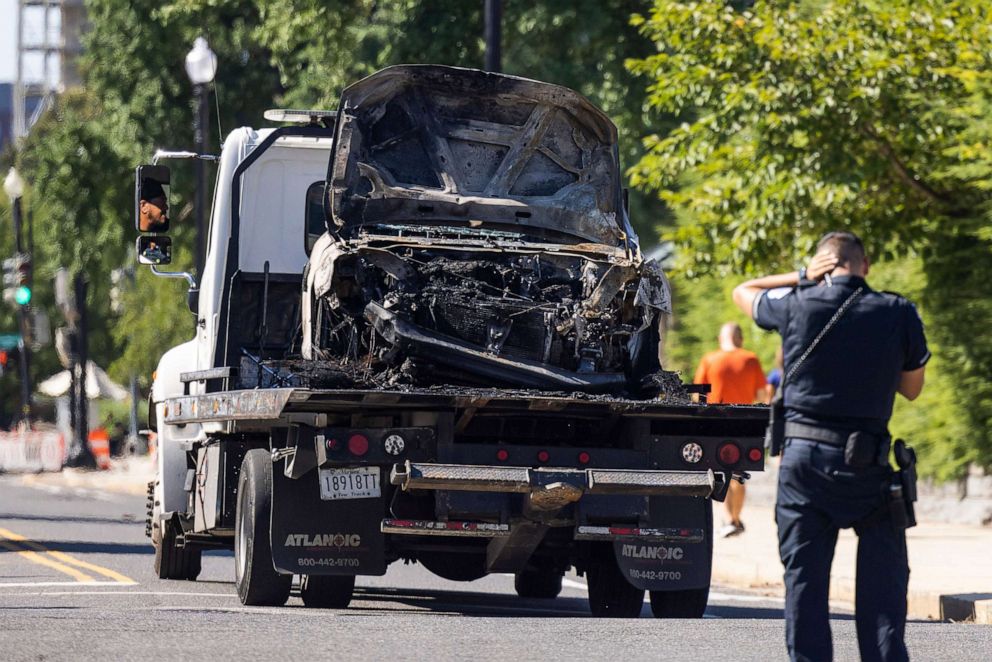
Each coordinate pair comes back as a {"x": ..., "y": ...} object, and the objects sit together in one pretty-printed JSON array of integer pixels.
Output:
[
  {"x": 472, "y": 478},
  {"x": 461, "y": 529},
  {"x": 452, "y": 528},
  {"x": 648, "y": 535}
]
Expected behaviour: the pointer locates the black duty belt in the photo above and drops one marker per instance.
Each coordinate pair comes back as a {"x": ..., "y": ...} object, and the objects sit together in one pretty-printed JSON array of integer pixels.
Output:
[{"x": 802, "y": 431}]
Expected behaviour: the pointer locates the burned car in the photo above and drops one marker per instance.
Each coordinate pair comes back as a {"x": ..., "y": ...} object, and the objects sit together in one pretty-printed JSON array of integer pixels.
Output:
[{"x": 478, "y": 236}]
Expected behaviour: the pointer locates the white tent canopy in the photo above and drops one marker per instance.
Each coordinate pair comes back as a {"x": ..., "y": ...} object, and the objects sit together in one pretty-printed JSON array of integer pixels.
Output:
[{"x": 98, "y": 384}]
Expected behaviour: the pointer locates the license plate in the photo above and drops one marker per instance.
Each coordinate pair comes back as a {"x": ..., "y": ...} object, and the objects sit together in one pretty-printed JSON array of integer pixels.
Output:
[{"x": 357, "y": 483}]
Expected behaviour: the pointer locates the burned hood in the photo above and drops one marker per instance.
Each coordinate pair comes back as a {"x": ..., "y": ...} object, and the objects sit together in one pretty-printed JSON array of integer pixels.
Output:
[{"x": 442, "y": 145}]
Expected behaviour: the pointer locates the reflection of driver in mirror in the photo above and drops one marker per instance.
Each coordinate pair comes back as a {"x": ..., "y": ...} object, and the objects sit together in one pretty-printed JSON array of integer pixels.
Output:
[
  {"x": 153, "y": 207},
  {"x": 154, "y": 253}
]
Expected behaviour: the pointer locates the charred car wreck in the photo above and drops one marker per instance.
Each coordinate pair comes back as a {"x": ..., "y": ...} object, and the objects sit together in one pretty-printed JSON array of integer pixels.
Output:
[{"x": 478, "y": 237}]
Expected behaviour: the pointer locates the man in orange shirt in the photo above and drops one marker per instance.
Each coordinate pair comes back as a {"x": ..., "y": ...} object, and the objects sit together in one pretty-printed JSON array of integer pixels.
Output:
[{"x": 736, "y": 378}]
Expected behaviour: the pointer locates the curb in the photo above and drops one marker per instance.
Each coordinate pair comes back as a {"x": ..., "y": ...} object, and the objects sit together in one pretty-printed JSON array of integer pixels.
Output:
[{"x": 734, "y": 572}]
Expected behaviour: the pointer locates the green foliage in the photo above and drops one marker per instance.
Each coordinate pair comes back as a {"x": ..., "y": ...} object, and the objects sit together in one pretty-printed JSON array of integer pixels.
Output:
[
  {"x": 798, "y": 118},
  {"x": 79, "y": 159}
]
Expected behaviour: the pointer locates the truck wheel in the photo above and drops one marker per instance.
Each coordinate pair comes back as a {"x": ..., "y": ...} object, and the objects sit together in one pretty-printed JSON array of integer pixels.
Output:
[
  {"x": 610, "y": 594},
  {"x": 327, "y": 591},
  {"x": 543, "y": 583},
  {"x": 172, "y": 561},
  {"x": 689, "y": 603},
  {"x": 256, "y": 578}
]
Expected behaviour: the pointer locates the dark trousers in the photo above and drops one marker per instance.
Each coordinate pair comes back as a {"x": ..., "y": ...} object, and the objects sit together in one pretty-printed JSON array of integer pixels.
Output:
[{"x": 817, "y": 496}]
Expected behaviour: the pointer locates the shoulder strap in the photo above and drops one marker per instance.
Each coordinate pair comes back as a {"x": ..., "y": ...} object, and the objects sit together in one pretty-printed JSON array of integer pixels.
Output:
[{"x": 816, "y": 341}]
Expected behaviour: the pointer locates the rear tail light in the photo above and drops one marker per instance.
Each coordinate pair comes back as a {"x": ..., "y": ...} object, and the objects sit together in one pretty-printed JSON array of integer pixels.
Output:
[
  {"x": 358, "y": 444},
  {"x": 543, "y": 456},
  {"x": 502, "y": 455},
  {"x": 729, "y": 454},
  {"x": 755, "y": 454},
  {"x": 584, "y": 458}
]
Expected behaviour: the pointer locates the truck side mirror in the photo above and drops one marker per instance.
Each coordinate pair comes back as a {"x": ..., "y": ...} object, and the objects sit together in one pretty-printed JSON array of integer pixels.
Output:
[
  {"x": 151, "y": 198},
  {"x": 154, "y": 250}
]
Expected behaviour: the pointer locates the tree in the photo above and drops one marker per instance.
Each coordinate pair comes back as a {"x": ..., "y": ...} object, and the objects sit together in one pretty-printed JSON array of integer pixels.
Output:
[{"x": 797, "y": 118}]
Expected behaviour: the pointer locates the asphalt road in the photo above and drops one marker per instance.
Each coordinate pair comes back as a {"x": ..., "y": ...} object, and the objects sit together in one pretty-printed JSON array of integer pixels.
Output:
[{"x": 76, "y": 583}]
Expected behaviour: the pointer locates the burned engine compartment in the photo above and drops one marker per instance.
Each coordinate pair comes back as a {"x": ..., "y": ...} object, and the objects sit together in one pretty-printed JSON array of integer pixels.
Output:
[
  {"x": 478, "y": 237},
  {"x": 454, "y": 316}
]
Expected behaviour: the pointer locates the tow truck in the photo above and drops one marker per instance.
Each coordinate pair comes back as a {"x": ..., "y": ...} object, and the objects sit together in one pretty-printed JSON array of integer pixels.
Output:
[{"x": 425, "y": 332}]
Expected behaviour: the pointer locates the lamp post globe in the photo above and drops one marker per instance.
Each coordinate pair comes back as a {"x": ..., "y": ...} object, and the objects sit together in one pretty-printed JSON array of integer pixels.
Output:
[
  {"x": 201, "y": 63},
  {"x": 13, "y": 185}
]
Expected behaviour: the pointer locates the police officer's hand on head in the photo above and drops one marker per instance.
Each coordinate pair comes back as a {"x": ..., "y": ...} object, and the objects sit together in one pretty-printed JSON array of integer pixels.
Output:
[{"x": 823, "y": 263}]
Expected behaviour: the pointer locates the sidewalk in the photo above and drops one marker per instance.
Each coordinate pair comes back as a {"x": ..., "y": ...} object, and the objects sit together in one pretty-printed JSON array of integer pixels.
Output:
[
  {"x": 128, "y": 476},
  {"x": 950, "y": 567}
]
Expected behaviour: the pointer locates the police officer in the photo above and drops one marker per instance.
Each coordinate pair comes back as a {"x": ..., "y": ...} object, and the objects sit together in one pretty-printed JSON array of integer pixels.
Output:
[{"x": 838, "y": 403}]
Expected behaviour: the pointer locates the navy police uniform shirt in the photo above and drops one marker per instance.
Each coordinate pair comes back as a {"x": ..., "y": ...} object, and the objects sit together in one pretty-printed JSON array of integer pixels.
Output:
[{"x": 849, "y": 381}]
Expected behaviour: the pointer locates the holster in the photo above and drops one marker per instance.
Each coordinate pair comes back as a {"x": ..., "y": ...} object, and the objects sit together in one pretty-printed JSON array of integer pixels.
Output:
[
  {"x": 897, "y": 504},
  {"x": 906, "y": 476}
]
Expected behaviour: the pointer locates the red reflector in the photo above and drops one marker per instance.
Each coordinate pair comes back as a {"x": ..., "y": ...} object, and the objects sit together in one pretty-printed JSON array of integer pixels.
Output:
[
  {"x": 502, "y": 455},
  {"x": 755, "y": 454},
  {"x": 358, "y": 444},
  {"x": 729, "y": 454},
  {"x": 332, "y": 444},
  {"x": 584, "y": 458},
  {"x": 543, "y": 456}
]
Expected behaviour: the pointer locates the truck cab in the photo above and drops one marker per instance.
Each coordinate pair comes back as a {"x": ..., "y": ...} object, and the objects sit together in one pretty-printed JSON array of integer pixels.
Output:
[{"x": 264, "y": 219}]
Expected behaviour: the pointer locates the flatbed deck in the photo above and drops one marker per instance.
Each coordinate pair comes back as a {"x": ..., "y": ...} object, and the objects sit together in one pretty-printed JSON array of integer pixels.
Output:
[{"x": 276, "y": 403}]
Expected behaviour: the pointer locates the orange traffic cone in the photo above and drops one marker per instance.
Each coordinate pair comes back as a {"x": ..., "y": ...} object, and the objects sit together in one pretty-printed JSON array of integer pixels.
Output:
[{"x": 100, "y": 447}]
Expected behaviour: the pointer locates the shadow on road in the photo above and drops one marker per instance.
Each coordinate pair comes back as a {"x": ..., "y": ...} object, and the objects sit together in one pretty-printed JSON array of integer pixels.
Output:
[
  {"x": 496, "y": 605},
  {"x": 70, "y": 547},
  {"x": 469, "y": 603},
  {"x": 124, "y": 519}
]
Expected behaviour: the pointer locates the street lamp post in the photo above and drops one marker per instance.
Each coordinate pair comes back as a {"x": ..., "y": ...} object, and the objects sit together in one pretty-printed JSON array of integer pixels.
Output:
[
  {"x": 13, "y": 186},
  {"x": 201, "y": 67},
  {"x": 494, "y": 35}
]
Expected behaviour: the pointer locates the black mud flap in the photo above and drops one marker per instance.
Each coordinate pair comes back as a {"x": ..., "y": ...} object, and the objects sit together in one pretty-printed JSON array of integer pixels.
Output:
[
  {"x": 315, "y": 537},
  {"x": 683, "y": 562}
]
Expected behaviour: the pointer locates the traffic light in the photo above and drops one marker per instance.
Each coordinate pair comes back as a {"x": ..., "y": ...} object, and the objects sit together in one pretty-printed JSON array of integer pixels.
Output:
[{"x": 17, "y": 279}]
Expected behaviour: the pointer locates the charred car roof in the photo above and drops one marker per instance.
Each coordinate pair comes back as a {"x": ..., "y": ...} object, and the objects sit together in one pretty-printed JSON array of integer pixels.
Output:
[{"x": 434, "y": 144}]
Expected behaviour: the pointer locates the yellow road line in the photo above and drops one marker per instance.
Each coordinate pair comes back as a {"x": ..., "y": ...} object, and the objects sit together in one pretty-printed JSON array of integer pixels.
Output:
[
  {"x": 41, "y": 559},
  {"x": 61, "y": 556}
]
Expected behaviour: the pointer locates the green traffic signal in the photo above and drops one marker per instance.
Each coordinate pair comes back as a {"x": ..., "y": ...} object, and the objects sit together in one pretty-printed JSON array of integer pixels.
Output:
[{"x": 22, "y": 295}]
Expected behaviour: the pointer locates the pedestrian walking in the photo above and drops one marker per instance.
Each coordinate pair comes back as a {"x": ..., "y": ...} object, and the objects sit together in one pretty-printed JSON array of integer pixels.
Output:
[
  {"x": 848, "y": 350},
  {"x": 736, "y": 378}
]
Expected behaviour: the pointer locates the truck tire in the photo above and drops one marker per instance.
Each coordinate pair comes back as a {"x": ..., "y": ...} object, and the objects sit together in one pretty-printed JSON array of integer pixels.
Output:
[
  {"x": 538, "y": 582},
  {"x": 327, "y": 591},
  {"x": 172, "y": 561},
  {"x": 256, "y": 578},
  {"x": 610, "y": 594},
  {"x": 688, "y": 603}
]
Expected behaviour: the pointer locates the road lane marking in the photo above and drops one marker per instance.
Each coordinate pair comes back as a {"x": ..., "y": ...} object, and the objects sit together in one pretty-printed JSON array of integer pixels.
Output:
[
  {"x": 195, "y": 595},
  {"x": 44, "y": 584},
  {"x": 41, "y": 559},
  {"x": 21, "y": 541}
]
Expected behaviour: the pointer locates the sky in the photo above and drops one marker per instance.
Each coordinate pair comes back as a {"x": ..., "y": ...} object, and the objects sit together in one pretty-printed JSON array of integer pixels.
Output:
[{"x": 8, "y": 40}]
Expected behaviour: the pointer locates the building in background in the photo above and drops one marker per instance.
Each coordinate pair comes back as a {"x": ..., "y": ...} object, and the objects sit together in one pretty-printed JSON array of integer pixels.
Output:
[
  {"x": 6, "y": 115},
  {"x": 49, "y": 42}
]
